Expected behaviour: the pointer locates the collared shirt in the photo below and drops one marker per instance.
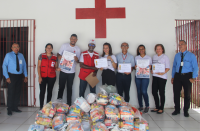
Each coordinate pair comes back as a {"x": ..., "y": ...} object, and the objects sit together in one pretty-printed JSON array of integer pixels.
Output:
[
  {"x": 10, "y": 65},
  {"x": 128, "y": 58},
  {"x": 76, "y": 50},
  {"x": 162, "y": 59},
  {"x": 189, "y": 64}
]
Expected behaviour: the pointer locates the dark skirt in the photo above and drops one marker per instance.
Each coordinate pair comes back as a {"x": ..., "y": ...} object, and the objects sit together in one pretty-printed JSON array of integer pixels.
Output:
[{"x": 108, "y": 77}]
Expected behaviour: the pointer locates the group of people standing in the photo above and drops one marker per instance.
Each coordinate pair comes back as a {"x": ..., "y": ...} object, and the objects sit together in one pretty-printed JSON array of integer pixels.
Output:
[{"x": 182, "y": 74}]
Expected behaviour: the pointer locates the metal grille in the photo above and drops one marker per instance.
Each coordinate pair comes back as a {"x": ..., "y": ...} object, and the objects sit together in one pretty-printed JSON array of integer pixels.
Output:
[
  {"x": 21, "y": 32},
  {"x": 189, "y": 30}
]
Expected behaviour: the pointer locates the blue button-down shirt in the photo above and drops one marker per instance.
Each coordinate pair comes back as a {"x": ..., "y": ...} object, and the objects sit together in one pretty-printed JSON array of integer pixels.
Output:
[
  {"x": 189, "y": 64},
  {"x": 127, "y": 59},
  {"x": 10, "y": 65}
]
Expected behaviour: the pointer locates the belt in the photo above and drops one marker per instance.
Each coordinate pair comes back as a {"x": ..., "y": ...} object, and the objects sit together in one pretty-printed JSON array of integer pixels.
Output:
[{"x": 184, "y": 73}]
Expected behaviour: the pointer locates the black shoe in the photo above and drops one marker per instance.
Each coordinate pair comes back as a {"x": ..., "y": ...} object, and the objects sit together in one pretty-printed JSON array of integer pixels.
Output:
[
  {"x": 17, "y": 110},
  {"x": 154, "y": 110},
  {"x": 186, "y": 114},
  {"x": 140, "y": 109},
  {"x": 9, "y": 113},
  {"x": 175, "y": 113}
]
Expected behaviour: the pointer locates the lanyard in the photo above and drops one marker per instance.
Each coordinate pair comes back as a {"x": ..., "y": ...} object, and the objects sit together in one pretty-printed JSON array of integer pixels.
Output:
[{"x": 123, "y": 57}]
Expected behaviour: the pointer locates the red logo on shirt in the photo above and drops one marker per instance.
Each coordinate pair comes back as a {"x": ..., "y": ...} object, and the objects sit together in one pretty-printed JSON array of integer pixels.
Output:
[{"x": 74, "y": 51}]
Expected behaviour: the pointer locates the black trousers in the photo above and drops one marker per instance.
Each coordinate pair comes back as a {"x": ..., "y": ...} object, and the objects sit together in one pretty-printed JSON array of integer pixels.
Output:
[
  {"x": 108, "y": 77},
  {"x": 62, "y": 81},
  {"x": 123, "y": 85},
  {"x": 158, "y": 84},
  {"x": 49, "y": 83},
  {"x": 14, "y": 91},
  {"x": 179, "y": 81}
]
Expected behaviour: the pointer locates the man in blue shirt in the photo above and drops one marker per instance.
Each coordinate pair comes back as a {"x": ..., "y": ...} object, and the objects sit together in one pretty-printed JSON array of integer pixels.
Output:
[
  {"x": 124, "y": 78},
  {"x": 185, "y": 70},
  {"x": 14, "y": 66}
]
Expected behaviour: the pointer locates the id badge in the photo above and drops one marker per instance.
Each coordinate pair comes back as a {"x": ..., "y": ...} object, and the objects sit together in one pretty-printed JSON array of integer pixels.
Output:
[
  {"x": 52, "y": 64},
  {"x": 20, "y": 62},
  {"x": 181, "y": 63}
]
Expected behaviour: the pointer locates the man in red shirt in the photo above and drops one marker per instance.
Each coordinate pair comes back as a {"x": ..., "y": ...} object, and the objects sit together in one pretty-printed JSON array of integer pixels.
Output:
[{"x": 87, "y": 66}]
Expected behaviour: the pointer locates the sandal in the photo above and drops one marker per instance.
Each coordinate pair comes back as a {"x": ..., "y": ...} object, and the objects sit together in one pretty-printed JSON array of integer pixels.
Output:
[
  {"x": 160, "y": 111},
  {"x": 154, "y": 110}
]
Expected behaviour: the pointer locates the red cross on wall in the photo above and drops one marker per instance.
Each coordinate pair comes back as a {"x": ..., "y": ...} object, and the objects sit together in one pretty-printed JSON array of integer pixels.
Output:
[{"x": 100, "y": 13}]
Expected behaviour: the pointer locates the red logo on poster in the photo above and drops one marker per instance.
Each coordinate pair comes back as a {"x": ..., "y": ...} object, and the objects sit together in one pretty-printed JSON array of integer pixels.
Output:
[{"x": 100, "y": 13}]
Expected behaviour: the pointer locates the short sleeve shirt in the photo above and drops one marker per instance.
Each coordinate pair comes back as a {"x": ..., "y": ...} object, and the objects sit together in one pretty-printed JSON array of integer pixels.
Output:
[
  {"x": 81, "y": 57},
  {"x": 76, "y": 50},
  {"x": 146, "y": 57},
  {"x": 162, "y": 59},
  {"x": 110, "y": 66}
]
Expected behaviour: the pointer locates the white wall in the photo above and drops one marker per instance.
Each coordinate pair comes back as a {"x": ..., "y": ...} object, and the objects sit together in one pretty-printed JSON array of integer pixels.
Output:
[{"x": 147, "y": 22}]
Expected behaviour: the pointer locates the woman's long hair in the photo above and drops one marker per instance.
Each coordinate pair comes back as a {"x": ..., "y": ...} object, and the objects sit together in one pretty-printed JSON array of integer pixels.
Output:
[
  {"x": 110, "y": 49},
  {"x": 138, "y": 53}
]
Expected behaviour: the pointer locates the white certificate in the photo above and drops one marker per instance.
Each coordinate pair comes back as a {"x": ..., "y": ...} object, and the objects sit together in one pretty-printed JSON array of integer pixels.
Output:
[
  {"x": 158, "y": 68},
  {"x": 142, "y": 70},
  {"x": 100, "y": 63},
  {"x": 67, "y": 60},
  {"x": 124, "y": 67}
]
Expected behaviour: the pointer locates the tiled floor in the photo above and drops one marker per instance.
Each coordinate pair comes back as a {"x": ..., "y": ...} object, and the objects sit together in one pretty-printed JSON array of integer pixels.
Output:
[{"x": 157, "y": 122}]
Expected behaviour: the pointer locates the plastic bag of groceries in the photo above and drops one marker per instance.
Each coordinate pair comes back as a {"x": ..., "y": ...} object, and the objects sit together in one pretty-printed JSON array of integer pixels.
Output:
[
  {"x": 74, "y": 126},
  {"x": 126, "y": 124},
  {"x": 97, "y": 115},
  {"x": 109, "y": 88},
  {"x": 73, "y": 118},
  {"x": 58, "y": 121},
  {"x": 61, "y": 107},
  {"x": 99, "y": 127},
  {"x": 49, "y": 109},
  {"x": 36, "y": 128},
  {"x": 74, "y": 109},
  {"x": 115, "y": 99},
  {"x": 85, "y": 116},
  {"x": 141, "y": 124},
  {"x": 126, "y": 113},
  {"x": 91, "y": 97},
  {"x": 110, "y": 123},
  {"x": 42, "y": 119},
  {"x": 102, "y": 97},
  {"x": 82, "y": 103},
  {"x": 112, "y": 112},
  {"x": 86, "y": 124}
]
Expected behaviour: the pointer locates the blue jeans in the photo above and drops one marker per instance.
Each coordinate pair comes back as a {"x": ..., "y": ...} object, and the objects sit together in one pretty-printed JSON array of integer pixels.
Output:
[
  {"x": 142, "y": 85},
  {"x": 82, "y": 88}
]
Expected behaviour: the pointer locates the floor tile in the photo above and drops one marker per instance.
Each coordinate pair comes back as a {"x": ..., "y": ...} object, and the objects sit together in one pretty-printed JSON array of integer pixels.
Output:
[
  {"x": 23, "y": 128},
  {"x": 15, "y": 120},
  {"x": 8, "y": 127},
  {"x": 173, "y": 129},
  {"x": 30, "y": 121},
  {"x": 22, "y": 114},
  {"x": 28, "y": 109},
  {"x": 189, "y": 124},
  {"x": 192, "y": 129},
  {"x": 152, "y": 124},
  {"x": 195, "y": 116},
  {"x": 147, "y": 117},
  {"x": 181, "y": 117},
  {"x": 163, "y": 124},
  {"x": 155, "y": 129},
  {"x": 3, "y": 118},
  {"x": 161, "y": 117}
]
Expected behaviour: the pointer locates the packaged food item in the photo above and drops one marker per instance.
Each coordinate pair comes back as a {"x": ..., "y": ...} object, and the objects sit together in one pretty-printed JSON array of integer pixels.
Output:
[
  {"x": 123, "y": 103},
  {"x": 112, "y": 112},
  {"x": 74, "y": 109},
  {"x": 102, "y": 99},
  {"x": 91, "y": 97},
  {"x": 58, "y": 121},
  {"x": 97, "y": 115},
  {"x": 86, "y": 124},
  {"x": 85, "y": 116},
  {"x": 109, "y": 88},
  {"x": 141, "y": 124},
  {"x": 35, "y": 127},
  {"x": 74, "y": 126},
  {"x": 61, "y": 107},
  {"x": 49, "y": 109},
  {"x": 115, "y": 99},
  {"x": 126, "y": 113},
  {"x": 42, "y": 119},
  {"x": 126, "y": 124},
  {"x": 110, "y": 123},
  {"x": 82, "y": 103},
  {"x": 73, "y": 118},
  {"x": 99, "y": 127}
]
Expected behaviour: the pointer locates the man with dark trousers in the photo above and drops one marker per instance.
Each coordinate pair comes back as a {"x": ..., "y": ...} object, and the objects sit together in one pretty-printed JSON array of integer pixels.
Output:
[
  {"x": 14, "y": 66},
  {"x": 185, "y": 70},
  {"x": 87, "y": 66}
]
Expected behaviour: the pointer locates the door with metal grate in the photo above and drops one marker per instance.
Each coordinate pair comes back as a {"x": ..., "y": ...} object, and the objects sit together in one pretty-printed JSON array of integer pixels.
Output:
[
  {"x": 22, "y": 32},
  {"x": 189, "y": 30}
]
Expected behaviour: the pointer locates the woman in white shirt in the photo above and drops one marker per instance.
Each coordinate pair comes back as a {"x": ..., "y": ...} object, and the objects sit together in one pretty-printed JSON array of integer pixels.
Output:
[
  {"x": 108, "y": 74},
  {"x": 142, "y": 83},
  {"x": 160, "y": 79}
]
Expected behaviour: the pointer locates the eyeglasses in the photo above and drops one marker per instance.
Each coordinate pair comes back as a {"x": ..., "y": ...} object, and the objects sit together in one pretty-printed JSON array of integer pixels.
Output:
[
  {"x": 15, "y": 47},
  {"x": 91, "y": 45}
]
